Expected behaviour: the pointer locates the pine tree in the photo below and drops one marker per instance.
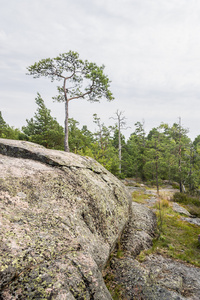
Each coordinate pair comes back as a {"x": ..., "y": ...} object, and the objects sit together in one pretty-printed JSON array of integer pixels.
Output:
[{"x": 43, "y": 129}]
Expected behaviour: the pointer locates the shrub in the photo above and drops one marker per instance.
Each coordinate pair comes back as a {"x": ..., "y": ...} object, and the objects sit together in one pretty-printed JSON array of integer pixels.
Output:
[
  {"x": 175, "y": 185},
  {"x": 194, "y": 210},
  {"x": 186, "y": 199}
]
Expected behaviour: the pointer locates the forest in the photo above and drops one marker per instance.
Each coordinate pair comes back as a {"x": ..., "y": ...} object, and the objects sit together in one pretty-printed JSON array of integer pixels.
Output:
[{"x": 164, "y": 154}]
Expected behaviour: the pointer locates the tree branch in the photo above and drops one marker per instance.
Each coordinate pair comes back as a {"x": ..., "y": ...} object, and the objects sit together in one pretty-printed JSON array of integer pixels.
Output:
[{"x": 80, "y": 96}]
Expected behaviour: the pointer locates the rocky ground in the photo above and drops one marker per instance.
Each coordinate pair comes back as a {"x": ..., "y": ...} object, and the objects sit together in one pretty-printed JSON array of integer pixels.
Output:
[{"x": 157, "y": 277}]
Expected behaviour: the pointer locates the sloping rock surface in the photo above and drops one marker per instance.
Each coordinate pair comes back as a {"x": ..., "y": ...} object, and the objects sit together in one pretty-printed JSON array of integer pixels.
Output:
[
  {"x": 156, "y": 278},
  {"x": 179, "y": 209},
  {"x": 139, "y": 231},
  {"x": 61, "y": 216}
]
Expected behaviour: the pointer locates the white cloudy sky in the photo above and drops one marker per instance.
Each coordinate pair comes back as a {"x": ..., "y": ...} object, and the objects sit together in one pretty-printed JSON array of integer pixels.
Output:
[{"x": 151, "y": 50}]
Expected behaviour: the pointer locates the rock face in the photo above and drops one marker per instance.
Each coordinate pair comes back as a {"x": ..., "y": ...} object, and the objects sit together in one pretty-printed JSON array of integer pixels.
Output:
[
  {"x": 61, "y": 216},
  {"x": 179, "y": 209},
  {"x": 156, "y": 278},
  {"x": 139, "y": 231}
]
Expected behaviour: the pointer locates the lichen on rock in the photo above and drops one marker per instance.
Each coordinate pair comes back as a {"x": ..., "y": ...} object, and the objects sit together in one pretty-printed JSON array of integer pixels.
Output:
[{"x": 61, "y": 217}]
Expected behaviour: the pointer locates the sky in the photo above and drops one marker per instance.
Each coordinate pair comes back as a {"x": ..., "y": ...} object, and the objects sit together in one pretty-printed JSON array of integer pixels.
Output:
[{"x": 150, "y": 49}]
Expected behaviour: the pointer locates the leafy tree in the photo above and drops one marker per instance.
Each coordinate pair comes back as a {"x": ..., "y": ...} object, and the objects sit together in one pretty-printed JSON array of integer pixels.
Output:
[
  {"x": 103, "y": 132},
  {"x": 79, "y": 139},
  {"x": 169, "y": 154},
  {"x": 81, "y": 79},
  {"x": 155, "y": 154},
  {"x": 3, "y": 126},
  {"x": 165, "y": 153},
  {"x": 195, "y": 164},
  {"x": 182, "y": 142},
  {"x": 196, "y": 142},
  {"x": 43, "y": 129},
  {"x": 136, "y": 152},
  {"x": 131, "y": 157},
  {"x": 8, "y": 132},
  {"x": 102, "y": 148},
  {"x": 173, "y": 158},
  {"x": 88, "y": 135}
]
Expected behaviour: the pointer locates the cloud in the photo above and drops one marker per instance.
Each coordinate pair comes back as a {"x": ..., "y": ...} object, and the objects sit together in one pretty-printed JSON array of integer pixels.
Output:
[{"x": 150, "y": 49}]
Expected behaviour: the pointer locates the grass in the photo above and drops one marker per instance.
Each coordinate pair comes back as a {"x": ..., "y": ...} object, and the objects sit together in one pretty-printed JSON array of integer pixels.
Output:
[
  {"x": 192, "y": 204},
  {"x": 179, "y": 240},
  {"x": 193, "y": 210},
  {"x": 140, "y": 196},
  {"x": 186, "y": 199},
  {"x": 176, "y": 238},
  {"x": 116, "y": 290}
]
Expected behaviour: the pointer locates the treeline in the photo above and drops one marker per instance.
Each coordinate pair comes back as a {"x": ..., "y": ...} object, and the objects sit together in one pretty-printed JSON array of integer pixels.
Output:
[{"x": 166, "y": 153}]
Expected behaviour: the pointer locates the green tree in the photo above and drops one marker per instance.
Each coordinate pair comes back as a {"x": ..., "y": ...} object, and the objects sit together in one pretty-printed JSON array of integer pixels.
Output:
[
  {"x": 195, "y": 166},
  {"x": 102, "y": 148},
  {"x": 79, "y": 139},
  {"x": 135, "y": 156},
  {"x": 172, "y": 154},
  {"x": 155, "y": 155},
  {"x": 81, "y": 79},
  {"x": 9, "y": 132},
  {"x": 103, "y": 133},
  {"x": 3, "y": 126},
  {"x": 182, "y": 142},
  {"x": 43, "y": 129},
  {"x": 196, "y": 142},
  {"x": 169, "y": 169}
]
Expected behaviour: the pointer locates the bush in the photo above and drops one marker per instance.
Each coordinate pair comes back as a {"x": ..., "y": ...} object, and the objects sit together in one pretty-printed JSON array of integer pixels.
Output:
[
  {"x": 175, "y": 185},
  {"x": 194, "y": 210},
  {"x": 186, "y": 199}
]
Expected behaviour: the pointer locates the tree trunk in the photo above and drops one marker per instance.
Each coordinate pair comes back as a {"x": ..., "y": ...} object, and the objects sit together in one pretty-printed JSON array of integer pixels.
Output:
[
  {"x": 120, "y": 151},
  {"x": 180, "y": 171},
  {"x": 157, "y": 184},
  {"x": 179, "y": 161},
  {"x": 156, "y": 148},
  {"x": 66, "y": 143}
]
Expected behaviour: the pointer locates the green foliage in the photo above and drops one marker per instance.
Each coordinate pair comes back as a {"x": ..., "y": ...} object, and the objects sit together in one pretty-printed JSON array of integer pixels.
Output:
[
  {"x": 102, "y": 148},
  {"x": 43, "y": 129},
  {"x": 175, "y": 185},
  {"x": 88, "y": 80},
  {"x": 177, "y": 239},
  {"x": 3, "y": 124},
  {"x": 116, "y": 290},
  {"x": 164, "y": 154},
  {"x": 135, "y": 153},
  {"x": 81, "y": 79},
  {"x": 8, "y": 132},
  {"x": 140, "y": 196},
  {"x": 79, "y": 139},
  {"x": 186, "y": 199}
]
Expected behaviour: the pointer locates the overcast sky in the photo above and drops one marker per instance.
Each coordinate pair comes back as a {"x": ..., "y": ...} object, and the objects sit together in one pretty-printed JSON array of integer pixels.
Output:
[{"x": 150, "y": 49}]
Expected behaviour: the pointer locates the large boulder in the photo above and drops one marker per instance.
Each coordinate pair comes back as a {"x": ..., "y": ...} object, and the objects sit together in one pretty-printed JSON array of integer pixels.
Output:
[{"x": 61, "y": 216}]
